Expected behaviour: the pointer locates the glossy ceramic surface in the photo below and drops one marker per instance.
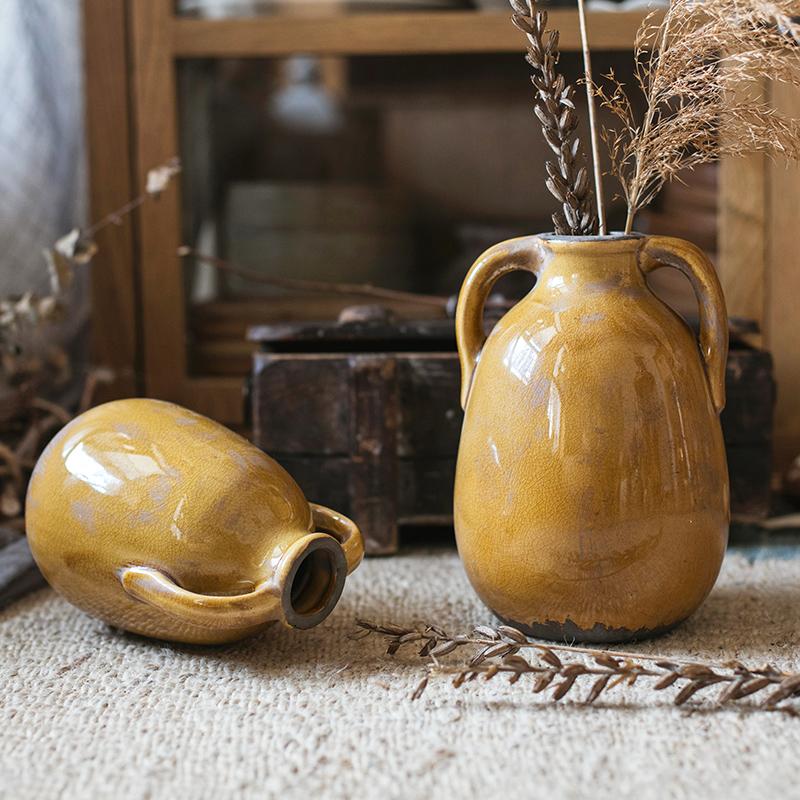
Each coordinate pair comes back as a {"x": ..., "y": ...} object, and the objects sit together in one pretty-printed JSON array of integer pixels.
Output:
[
  {"x": 591, "y": 497},
  {"x": 162, "y": 522}
]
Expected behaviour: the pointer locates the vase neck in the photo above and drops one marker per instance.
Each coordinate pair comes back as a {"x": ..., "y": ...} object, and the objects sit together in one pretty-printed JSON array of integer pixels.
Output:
[{"x": 590, "y": 264}]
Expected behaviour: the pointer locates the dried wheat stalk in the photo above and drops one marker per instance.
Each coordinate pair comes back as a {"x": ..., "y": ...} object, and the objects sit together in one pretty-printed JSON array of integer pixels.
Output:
[
  {"x": 568, "y": 178},
  {"x": 497, "y": 654},
  {"x": 701, "y": 70}
]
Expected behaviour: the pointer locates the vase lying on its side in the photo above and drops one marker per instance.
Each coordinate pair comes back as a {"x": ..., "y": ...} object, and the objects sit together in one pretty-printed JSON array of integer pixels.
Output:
[
  {"x": 591, "y": 498},
  {"x": 162, "y": 522}
]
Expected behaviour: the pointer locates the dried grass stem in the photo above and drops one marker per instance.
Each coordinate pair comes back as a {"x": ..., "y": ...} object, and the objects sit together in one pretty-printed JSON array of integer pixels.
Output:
[{"x": 496, "y": 652}]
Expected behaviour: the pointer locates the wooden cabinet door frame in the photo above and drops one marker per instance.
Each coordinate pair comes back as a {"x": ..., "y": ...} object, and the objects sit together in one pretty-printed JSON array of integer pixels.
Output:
[{"x": 139, "y": 309}]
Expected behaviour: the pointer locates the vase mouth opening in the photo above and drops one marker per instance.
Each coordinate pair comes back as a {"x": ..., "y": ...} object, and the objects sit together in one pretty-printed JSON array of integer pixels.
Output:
[
  {"x": 314, "y": 583},
  {"x": 614, "y": 236}
]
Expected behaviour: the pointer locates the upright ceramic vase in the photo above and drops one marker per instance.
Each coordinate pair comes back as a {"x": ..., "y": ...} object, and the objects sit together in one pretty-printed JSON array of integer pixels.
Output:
[
  {"x": 164, "y": 523},
  {"x": 591, "y": 498}
]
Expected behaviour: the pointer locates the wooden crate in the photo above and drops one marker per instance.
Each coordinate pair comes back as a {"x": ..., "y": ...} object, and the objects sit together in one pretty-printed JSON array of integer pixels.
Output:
[{"x": 366, "y": 418}]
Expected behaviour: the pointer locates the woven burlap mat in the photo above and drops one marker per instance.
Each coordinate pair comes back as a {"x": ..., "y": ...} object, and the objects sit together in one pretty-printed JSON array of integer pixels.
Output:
[{"x": 89, "y": 712}]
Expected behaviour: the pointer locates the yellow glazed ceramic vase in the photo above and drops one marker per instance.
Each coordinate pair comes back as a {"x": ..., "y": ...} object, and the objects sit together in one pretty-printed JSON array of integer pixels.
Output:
[
  {"x": 591, "y": 498},
  {"x": 164, "y": 523}
]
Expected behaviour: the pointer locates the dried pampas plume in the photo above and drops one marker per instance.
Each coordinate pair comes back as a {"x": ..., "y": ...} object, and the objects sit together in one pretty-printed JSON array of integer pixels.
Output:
[{"x": 702, "y": 70}]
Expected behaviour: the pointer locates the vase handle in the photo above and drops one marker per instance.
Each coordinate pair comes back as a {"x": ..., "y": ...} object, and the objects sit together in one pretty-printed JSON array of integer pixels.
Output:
[
  {"x": 524, "y": 253},
  {"x": 344, "y": 530},
  {"x": 667, "y": 251},
  {"x": 221, "y": 612}
]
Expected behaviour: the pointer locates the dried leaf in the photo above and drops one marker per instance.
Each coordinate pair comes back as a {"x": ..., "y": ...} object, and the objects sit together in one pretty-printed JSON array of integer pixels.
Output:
[
  {"x": 753, "y": 686},
  {"x": 479, "y": 657},
  {"x": 443, "y": 648},
  {"x": 498, "y": 650},
  {"x": 605, "y": 660},
  {"x": 575, "y": 669},
  {"x": 427, "y": 647},
  {"x": 695, "y": 671},
  {"x": 487, "y": 632},
  {"x": 514, "y": 634},
  {"x": 597, "y": 689},
  {"x": 60, "y": 270},
  {"x": 419, "y": 691},
  {"x": 689, "y": 690},
  {"x": 669, "y": 665},
  {"x": 459, "y": 679},
  {"x": 666, "y": 681},
  {"x": 516, "y": 662},
  {"x": 158, "y": 179},
  {"x": 731, "y": 691},
  {"x": 543, "y": 681},
  {"x": 549, "y": 656},
  {"x": 393, "y": 630},
  {"x": 786, "y": 688},
  {"x": 520, "y": 7},
  {"x": 562, "y": 688}
]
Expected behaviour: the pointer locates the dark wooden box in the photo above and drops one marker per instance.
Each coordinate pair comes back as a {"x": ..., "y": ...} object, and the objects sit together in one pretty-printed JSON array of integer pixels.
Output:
[{"x": 366, "y": 417}]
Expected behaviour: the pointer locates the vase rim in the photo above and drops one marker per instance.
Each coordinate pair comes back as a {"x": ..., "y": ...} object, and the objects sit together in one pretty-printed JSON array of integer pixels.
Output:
[{"x": 614, "y": 236}]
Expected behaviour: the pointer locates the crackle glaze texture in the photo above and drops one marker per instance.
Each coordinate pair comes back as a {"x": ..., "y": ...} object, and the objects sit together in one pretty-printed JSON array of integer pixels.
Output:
[
  {"x": 591, "y": 497},
  {"x": 165, "y": 523}
]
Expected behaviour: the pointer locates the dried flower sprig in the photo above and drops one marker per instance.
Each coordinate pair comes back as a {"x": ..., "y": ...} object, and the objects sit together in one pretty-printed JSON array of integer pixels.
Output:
[
  {"x": 568, "y": 178},
  {"x": 33, "y": 368},
  {"x": 497, "y": 654},
  {"x": 77, "y": 248},
  {"x": 701, "y": 70}
]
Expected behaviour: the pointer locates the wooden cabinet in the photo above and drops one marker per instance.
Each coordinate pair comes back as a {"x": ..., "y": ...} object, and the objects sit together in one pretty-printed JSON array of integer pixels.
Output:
[{"x": 133, "y": 52}]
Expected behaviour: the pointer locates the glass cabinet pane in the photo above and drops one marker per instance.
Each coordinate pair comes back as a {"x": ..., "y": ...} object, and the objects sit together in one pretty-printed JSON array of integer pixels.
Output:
[{"x": 390, "y": 171}]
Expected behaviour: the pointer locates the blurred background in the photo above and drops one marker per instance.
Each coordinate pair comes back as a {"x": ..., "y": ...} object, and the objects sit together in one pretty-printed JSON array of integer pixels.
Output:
[{"x": 352, "y": 143}]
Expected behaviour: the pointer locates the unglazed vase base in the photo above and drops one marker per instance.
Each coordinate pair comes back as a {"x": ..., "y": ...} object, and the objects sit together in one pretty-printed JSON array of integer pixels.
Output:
[{"x": 568, "y": 632}]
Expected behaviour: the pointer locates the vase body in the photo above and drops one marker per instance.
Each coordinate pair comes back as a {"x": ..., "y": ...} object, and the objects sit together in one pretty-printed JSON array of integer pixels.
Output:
[
  {"x": 591, "y": 497},
  {"x": 164, "y": 523}
]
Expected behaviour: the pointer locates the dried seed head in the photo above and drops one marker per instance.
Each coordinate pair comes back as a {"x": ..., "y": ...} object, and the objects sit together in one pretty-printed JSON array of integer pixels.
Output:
[{"x": 514, "y": 634}]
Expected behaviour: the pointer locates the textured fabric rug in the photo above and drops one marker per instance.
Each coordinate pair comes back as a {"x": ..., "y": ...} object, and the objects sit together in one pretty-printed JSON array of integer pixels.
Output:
[{"x": 89, "y": 712}]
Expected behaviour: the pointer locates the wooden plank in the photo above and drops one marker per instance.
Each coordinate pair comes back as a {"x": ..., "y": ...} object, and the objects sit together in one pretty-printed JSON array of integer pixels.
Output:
[
  {"x": 425, "y": 490},
  {"x": 782, "y": 330},
  {"x": 108, "y": 133},
  {"x": 750, "y": 391},
  {"x": 155, "y": 105},
  {"x": 389, "y": 33},
  {"x": 749, "y": 468},
  {"x": 222, "y": 399},
  {"x": 373, "y": 457},
  {"x": 429, "y": 407},
  {"x": 300, "y": 404},
  {"x": 742, "y": 246}
]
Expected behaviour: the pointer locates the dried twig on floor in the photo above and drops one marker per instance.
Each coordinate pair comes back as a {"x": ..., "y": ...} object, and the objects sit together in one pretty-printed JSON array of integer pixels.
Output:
[{"x": 497, "y": 653}]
